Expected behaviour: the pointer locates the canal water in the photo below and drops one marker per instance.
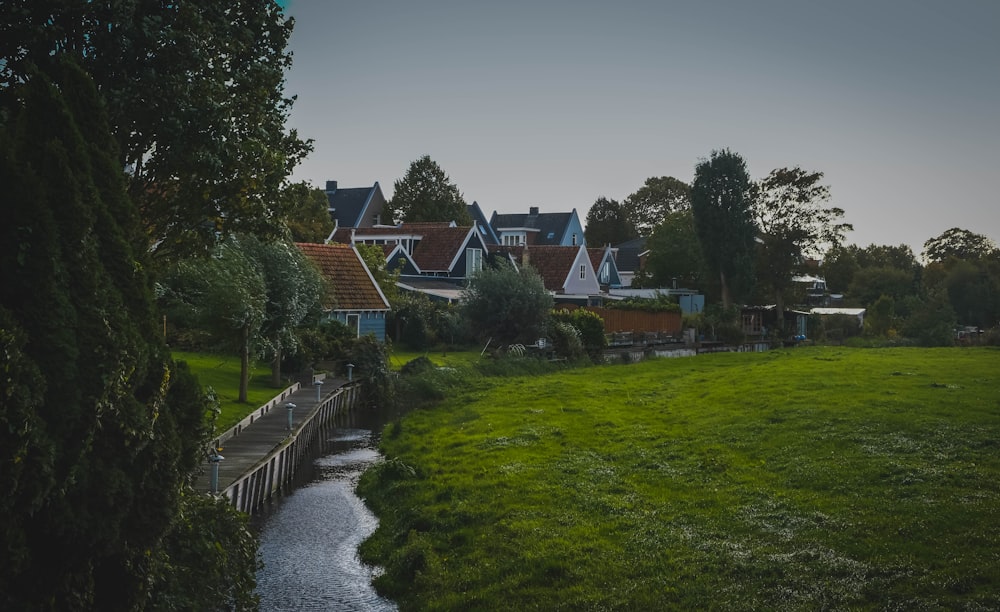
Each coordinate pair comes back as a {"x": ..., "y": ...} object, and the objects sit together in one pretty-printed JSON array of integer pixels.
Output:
[{"x": 309, "y": 538}]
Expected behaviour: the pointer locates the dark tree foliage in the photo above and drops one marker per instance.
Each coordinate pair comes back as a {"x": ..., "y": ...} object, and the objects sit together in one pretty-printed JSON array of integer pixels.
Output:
[
  {"x": 426, "y": 193},
  {"x": 107, "y": 429},
  {"x": 724, "y": 221},
  {"x": 507, "y": 305},
  {"x": 658, "y": 197},
  {"x": 194, "y": 95},
  {"x": 607, "y": 224},
  {"x": 960, "y": 244},
  {"x": 793, "y": 224},
  {"x": 842, "y": 262},
  {"x": 308, "y": 213},
  {"x": 675, "y": 255}
]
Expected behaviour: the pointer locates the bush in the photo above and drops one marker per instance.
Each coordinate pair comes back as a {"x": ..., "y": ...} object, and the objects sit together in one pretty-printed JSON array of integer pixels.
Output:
[
  {"x": 566, "y": 340},
  {"x": 590, "y": 328}
]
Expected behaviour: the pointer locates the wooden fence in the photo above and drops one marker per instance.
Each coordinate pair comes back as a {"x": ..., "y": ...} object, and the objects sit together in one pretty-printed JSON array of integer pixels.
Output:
[{"x": 637, "y": 321}]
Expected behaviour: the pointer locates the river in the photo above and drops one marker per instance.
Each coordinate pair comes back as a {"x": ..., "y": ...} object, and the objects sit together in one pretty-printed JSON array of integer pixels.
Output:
[{"x": 309, "y": 538}]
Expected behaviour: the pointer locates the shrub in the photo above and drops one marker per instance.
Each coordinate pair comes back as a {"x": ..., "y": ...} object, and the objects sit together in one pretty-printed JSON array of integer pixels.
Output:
[
  {"x": 590, "y": 328},
  {"x": 566, "y": 340}
]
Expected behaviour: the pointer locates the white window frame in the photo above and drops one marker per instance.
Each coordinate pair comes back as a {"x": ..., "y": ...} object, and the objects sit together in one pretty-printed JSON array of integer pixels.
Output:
[
  {"x": 473, "y": 261},
  {"x": 583, "y": 271}
]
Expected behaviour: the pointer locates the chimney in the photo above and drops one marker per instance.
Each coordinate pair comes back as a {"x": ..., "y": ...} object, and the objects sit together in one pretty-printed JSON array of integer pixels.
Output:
[
  {"x": 331, "y": 186},
  {"x": 533, "y": 210}
]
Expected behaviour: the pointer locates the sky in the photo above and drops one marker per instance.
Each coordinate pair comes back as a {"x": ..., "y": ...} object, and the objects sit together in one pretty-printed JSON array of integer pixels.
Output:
[{"x": 555, "y": 104}]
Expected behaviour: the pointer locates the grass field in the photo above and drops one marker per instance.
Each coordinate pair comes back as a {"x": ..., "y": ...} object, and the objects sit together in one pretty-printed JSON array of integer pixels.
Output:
[
  {"x": 451, "y": 359},
  {"x": 814, "y": 478},
  {"x": 222, "y": 373}
]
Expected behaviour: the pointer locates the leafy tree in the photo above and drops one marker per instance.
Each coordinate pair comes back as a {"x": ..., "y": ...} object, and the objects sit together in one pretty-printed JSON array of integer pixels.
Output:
[
  {"x": 425, "y": 193},
  {"x": 880, "y": 318},
  {"x": 506, "y": 304},
  {"x": 932, "y": 322},
  {"x": 294, "y": 288},
  {"x": 607, "y": 223},
  {"x": 374, "y": 258},
  {"x": 102, "y": 429},
  {"x": 960, "y": 244},
  {"x": 225, "y": 295},
  {"x": 723, "y": 219},
  {"x": 870, "y": 284},
  {"x": 657, "y": 198},
  {"x": 675, "y": 253},
  {"x": 793, "y": 224},
  {"x": 308, "y": 213},
  {"x": 195, "y": 101},
  {"x": 972, "y": 287},
  {"x": 842, "y": 262}
]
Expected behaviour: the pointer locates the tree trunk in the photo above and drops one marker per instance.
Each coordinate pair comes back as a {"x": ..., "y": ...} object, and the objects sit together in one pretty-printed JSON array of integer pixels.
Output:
[
  {"x": 244, "y": 364},
  {"x": 779, "y": 305},
  {"x": 726, "y": 298},
  {"x": 276, "y": 366}
]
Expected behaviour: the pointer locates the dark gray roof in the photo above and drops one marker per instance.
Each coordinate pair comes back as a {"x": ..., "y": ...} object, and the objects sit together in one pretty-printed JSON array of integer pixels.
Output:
[
  {"x": 485, "y": 229},
  {"x": 627, "y": 258},
  {"x": 346, "y": 205},
  {"x": 550, "y": 226}
]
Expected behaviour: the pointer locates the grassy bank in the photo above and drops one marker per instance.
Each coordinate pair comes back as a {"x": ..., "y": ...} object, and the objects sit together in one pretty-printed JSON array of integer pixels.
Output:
[
  {"x": 222, "y": 373},
  {"x": 808, "y": 479}
]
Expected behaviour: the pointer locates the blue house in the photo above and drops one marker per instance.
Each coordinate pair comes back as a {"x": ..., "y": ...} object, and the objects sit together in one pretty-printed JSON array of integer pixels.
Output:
[
  {"x": 357, "y": 300},
  {"x": 356, "y": 206},
  {"x": 537, "y": 228}
]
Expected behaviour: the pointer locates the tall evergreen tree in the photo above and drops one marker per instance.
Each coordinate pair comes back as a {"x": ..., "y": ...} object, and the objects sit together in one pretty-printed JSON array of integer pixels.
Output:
[
  {"x": 102, "y": 433},
  {"x": 724, "y": 221}
]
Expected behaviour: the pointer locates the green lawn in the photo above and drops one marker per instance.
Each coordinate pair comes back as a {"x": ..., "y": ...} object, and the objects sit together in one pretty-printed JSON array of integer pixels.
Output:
[
  {"x": 463, "y": 358},
  {"x": 222, "y": 373},
  {"x": 813, "y": 478}
]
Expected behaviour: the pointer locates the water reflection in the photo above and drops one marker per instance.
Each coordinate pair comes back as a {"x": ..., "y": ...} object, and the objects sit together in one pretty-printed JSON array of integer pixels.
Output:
[{"x": 309, "y": 540}]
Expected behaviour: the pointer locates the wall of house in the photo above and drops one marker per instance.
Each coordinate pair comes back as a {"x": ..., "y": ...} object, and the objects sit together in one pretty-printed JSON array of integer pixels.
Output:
[
  {"x": 369, "y": 322},
  {"x": 574, "y": 227},
  {"x": 577, "y": 286}
]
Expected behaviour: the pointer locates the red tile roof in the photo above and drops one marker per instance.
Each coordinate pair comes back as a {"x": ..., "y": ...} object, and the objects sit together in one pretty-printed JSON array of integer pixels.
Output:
[
  {"x": 353, "y": 287},
  {"x": 438, "y": 246},
  {"x": 553, "y": 263}
]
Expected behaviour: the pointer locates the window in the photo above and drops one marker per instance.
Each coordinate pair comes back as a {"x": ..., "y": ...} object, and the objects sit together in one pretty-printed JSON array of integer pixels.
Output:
[
  {"x": 606, "y": 273},
  {"x": 583, "y": 271},
  {"x": 574, "y": 239},
  {"x": 473, "y": 261},
  {"x": 354, "y": 323}
]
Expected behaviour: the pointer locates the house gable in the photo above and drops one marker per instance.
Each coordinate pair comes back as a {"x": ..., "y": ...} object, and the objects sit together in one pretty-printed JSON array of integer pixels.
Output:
[
  {"x": 355, "y": 206},
  {"x": 563, "y": 269},
  {"x": 537, "y": 228}
]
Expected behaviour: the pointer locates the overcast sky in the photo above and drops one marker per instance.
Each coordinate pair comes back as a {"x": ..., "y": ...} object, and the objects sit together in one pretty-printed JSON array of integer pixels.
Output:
[{"x": 554, "y": 104}]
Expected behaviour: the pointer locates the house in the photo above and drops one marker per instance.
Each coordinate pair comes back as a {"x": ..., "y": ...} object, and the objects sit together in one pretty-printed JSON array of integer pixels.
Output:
[
  {"x": 630, "y": 257},
  {"x": 356, "y": 206},
  {"x": 432, "y": 258},
  {"x": 566, "y": 271},
  {"x": 357, "y": 300},
  {"x": 535, "y": 228},
  {"x": 479, "y": 219},
  {"x": 858, "y": 313},
  {"x": 604, "y": 263},
  {"x": 760, "y": 321}
]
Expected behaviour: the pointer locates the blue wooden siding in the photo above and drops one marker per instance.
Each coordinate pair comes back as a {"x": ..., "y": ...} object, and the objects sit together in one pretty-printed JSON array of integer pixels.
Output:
[{"x": 369, "y": 322}]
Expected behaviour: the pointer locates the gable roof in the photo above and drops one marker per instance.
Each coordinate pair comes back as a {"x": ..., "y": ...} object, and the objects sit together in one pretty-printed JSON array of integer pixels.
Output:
[
  {"x": 348, "y": 206},
  {"x": 485, "y": 229},
  {"x": 550, "y": 227},
  {"x": 628, "y": 254},
  {"x": 440, "y": 244},
  {"x": 553, "y": 263},
  {"x": 354, "y": 287}
]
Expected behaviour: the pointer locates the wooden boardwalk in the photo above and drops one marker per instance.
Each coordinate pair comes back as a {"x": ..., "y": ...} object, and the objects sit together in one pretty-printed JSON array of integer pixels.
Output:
[{"x": 256, "y": 442}]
